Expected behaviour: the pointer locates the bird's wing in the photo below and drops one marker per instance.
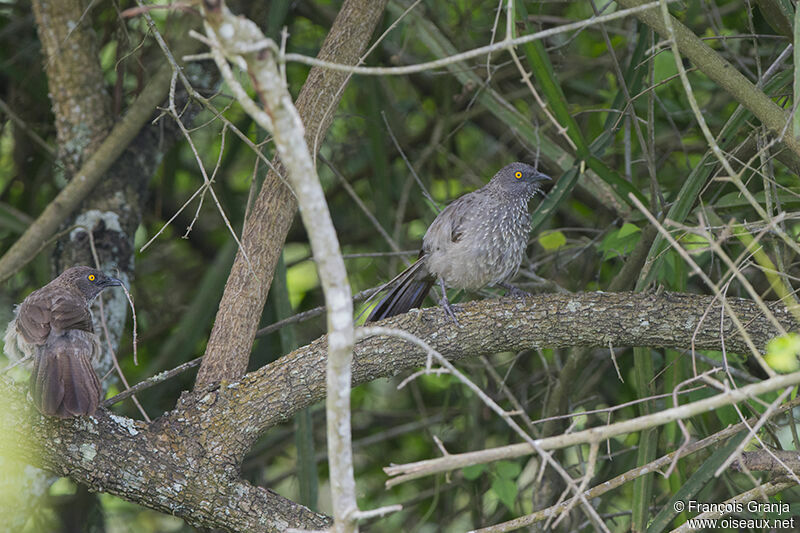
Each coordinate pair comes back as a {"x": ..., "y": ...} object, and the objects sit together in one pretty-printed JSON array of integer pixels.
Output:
[
  {"x": 69, "y": 311},
  {"x": 449, "y": 224},
  {"x": 33, "y": 318}
]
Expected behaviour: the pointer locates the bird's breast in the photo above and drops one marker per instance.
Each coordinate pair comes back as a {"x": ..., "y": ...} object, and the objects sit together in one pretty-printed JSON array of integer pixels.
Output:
[{"x": 490, "y": 250}]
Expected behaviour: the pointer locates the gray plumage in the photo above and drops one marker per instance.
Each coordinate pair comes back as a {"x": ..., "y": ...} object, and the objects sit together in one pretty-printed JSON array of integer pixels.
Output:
[
  {"x": 477, "y": 240},
  {"x": 53, "y": 325}
]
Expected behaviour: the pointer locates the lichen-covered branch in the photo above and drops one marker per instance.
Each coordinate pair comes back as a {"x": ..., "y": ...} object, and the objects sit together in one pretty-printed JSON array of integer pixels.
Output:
[
  {"x": 81, "y": 103},
  {"x": 192, "y": 454},
  {"x": 273, "y": 393},
  {"x": 166, "y": 466}
]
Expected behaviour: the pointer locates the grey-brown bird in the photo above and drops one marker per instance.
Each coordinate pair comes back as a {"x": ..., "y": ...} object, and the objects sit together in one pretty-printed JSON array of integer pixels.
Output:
[
  {"x": 476, "y": 241},
  {"x": 53, "y": 325}
]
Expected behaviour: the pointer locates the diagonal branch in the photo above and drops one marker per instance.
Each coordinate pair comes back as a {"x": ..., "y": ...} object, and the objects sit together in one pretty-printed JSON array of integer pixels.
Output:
[
  {"x": 192, "y": 454},
  {"x": 85, "y": 180},
  {"x": 721, "y": 71}
]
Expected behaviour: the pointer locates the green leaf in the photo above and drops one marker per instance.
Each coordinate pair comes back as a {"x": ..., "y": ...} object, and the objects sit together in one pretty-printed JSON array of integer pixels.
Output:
[
  {"x": 508, "y": 469},
  {"x": 506, "y": 491},
  {"x": 692, "y": 242},
  {"x": 474, "y": 471},
  {"x": 620, "y": 242},
  {"x": 782, "y": 353},
  {"x": 552, "y": 240}
]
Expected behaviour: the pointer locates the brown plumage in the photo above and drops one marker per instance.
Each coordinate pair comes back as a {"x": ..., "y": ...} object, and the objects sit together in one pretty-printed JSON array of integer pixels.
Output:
[
  {"x": 53, "y": 325},
  {"x": 477, "y": 240}
]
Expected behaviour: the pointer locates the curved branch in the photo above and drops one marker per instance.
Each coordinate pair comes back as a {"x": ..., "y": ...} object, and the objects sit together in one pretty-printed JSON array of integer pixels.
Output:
[
  {"x": 189, "y": 458},
  {"x": 275, "y": 392},
  {"x": 166, "y": 466}
]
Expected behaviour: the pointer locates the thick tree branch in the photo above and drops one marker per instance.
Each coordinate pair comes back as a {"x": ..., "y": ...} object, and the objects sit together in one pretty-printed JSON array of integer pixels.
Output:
[
  {"x": 275, "y": 392},
  {"x": 189, "y": 458},
  {"x": 166, "y": 467}
]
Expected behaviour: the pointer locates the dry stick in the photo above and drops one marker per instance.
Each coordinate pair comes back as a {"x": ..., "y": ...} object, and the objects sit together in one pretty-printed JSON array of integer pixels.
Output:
[
  {"x": 410, "y": 167},
  {"x": 744, "y": 468},
  {"x": 114, "y": 360},
  {"x": 684, "y": 430},
  {"x": 697, "y": 270},
  {"x": 207, "y": 182},
  {"x": 587, "y": 477},
  {"x": 752, "y": 433},
  {"x": 428, "y": 467},
  {"x": 84, "y": 181},
  {"x": 133, "y": 316},
  {"x": 311, "y": 313},
  {"x": 495, "y": 25},
  {"x": 715, "y": 149},
  {"x": 227, "y": 32},
  {"x": 210, "y": 181},
  {"x": 431, "y": 65},
  {"x": 177, "y": 72},
  {"x": 526, "y": 77},
  {"x": 500, "y": 382},
  {"x": 21, "y": 124},
  {"x": 611, "y": 484},
  {"x": 354, "y": 195},
  {"x": 153, "y": 380},
  {"x": 735, "y": 271},
  {"x": 371, "y": 331}
]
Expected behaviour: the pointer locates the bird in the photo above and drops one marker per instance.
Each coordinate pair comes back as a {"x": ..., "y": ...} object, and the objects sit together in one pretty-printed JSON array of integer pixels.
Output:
[
  {"x": 53, "y": 326},
  {"x": 478, "y": 240}
]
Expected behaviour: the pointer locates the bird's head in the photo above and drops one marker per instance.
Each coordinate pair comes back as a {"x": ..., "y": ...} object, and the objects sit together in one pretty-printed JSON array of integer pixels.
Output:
[
  {"x": 89, "y": 281},
  {"x": 520, "y": 179}
]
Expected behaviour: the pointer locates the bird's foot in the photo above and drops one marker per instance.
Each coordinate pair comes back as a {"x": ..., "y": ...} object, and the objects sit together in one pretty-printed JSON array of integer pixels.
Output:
[
  {"x": 449, "y": 311},
  {"x": 445, "y": 303},
  {"x": 514, "y": 292}
]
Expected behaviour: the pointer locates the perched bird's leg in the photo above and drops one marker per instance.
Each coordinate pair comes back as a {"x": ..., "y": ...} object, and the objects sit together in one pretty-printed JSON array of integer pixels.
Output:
[
  {"x": 512, "y": 291},
  {"x": 445, "y": 303}
]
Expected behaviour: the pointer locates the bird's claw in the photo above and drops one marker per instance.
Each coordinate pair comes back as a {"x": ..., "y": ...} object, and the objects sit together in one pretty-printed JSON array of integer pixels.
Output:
[
  {"x": 449, "y": 311},
  {"x": 515, "y": 292}
]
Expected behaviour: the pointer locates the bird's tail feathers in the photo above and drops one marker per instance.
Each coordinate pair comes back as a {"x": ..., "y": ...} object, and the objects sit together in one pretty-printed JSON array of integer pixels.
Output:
[
  {"x": 63, "y": 382},
  {"x": 408, "y": 290}
]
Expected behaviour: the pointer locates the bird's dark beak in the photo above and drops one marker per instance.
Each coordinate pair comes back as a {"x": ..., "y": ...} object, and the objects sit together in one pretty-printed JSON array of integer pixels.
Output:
[
  {"x": 543, "y": 177},
  {"x": 111, "y": 282}
]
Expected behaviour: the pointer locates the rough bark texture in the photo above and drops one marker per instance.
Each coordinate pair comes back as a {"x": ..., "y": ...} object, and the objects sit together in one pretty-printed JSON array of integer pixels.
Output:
[
  {"x": 164, "y": 467},
  {"x": 81, "y": 104},
  {"x": 269, "y": 219},
  {"x": 187, "y": 462},
  {"x": 273, "y": 393}
]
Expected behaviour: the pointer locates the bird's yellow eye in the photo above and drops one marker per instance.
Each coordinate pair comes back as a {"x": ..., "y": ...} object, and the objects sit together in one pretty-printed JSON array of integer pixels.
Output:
[
  {"x": 518, "y": 174},
  {"x": 91, "y": 277}
]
